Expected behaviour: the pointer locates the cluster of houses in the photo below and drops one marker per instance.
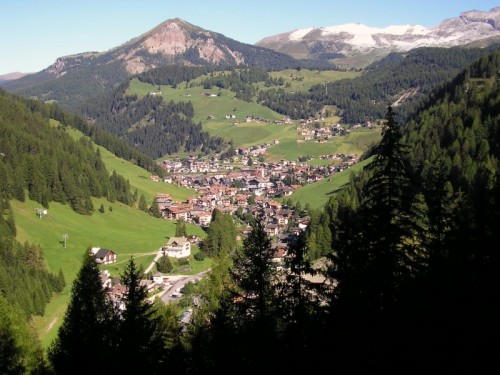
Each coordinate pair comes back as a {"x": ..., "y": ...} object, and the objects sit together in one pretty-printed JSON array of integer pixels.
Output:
[
  {"x": 285, "y": 120},
  {"x": 238, "y": 193},
  {"x": 193, "y": 165},
  {"x": 176, "y": 247},
  {"x": 321, "y": 134}
]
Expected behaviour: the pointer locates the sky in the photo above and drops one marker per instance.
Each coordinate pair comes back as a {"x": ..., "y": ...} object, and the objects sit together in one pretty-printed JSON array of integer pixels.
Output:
[{"x": 34, "y": 33}]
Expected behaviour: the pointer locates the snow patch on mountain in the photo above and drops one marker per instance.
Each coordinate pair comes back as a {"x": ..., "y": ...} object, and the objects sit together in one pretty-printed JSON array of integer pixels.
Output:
[
  {"x": 299, "y": 34},
  {"x": 354, "y": 38}
]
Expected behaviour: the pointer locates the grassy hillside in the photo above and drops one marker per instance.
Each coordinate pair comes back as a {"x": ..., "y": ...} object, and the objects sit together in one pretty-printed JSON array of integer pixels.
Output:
[
  {"x": 138, "y": 177},
  {"x": 355, "y": 142},
  {"x": 304, "y": 79},
  {"x": 254, "y": 133},
  {"x": 217, "y": 106},
  {"x": 123, "y": 229},
  {"x": 318, "y": 193}
]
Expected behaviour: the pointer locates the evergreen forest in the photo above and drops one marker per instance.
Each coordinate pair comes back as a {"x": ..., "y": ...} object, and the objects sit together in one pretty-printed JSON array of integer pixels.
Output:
[
  {"x": 409, "y": 76},
  {"x": 409, "y": 281}
]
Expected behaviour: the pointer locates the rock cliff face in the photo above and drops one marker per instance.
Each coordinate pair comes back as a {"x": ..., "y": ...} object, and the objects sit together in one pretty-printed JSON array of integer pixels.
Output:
[
  {"x": 72, "y": 79},
  {"x": 175, "y": 41},
  {"x": 352, "y": 40},
  {"x": 172, "y": 42}
]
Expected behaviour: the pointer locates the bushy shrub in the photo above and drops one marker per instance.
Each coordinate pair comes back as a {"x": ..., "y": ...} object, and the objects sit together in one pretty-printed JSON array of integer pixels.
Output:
[
  {"x": 199, "y": 255},
  {"x": 164, "y": 265}
]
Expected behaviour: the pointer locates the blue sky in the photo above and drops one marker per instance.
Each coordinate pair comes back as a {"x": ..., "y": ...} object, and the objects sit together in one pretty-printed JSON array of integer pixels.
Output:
[{"x": 34, "y": 33}]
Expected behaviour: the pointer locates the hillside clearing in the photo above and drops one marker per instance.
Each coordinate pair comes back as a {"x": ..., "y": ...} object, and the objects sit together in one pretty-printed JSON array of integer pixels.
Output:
[{"x": 318, "y": 193}]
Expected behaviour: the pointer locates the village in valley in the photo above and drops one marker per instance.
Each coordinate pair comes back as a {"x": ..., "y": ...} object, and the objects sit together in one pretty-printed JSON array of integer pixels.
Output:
[
  {"x": 236, "y": 186},
  {"x": 243, "y": 185},
  {"x": 239, "y": 188}
]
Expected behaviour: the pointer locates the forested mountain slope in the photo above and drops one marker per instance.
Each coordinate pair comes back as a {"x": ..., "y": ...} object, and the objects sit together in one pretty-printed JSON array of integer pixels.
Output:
[
  {"x": 73, "y": 79},
  {"x": 150, "y": 125},
  {"x": 400, "y": 79},
  {"x": 415, "y": 236},
  {"x": 49, "y": 165}
]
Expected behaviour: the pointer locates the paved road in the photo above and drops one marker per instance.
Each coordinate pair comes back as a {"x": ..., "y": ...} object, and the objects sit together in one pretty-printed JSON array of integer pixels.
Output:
[
  {"x": 159, "y": 254},
  {"x": 179, "y": 283}
]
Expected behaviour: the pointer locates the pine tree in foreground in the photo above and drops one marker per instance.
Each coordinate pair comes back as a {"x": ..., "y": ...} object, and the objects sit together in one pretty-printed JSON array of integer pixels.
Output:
[{"x": 86, "y": 340}]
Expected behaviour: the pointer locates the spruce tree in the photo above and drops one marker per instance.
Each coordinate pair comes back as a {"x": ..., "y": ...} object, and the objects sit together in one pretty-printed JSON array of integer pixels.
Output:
[
  {"x": 254, "y": 315},
  {"x": 382, "y": 254},
  {"x": 180, "y": 228},
  {"x": 221, "y": 236},
  {"x": 137, "y": 326},
  {"x": 86, "y": 340},
  {"x": 164, "y": 264},
  {"x": 155, "y": 209},
  {"x": 143, "y": 205}
]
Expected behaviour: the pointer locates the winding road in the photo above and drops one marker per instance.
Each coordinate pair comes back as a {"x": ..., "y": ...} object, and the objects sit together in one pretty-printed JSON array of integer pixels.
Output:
[{"x": 180, "y": 281}]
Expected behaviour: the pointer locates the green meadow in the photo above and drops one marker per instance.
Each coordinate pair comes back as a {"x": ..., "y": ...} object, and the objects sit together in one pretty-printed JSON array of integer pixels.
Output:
[
  {"x": 356, "y": 142},
  {"x": 211, "y": 111},
  {"x": 127, "y": 231},
  {"x": 252, "y": 133},
  {"x": 318, "y": 193},
  {"x": 304, "y": 79}
]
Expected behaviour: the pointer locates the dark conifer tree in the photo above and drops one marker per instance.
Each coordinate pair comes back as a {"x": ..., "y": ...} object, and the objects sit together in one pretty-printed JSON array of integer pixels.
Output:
[
  {"x": 251, "y": 310},
  {"x": 164, "y": 264},
  {"x": 143, "y": 205},
  {"x": 180, "y": 228},
  {"x": 137, "y": 326},
  {"x": 384, "y": 242},
  {"x": 86, "y": 340},
  {"x": 155, "y": 209}
]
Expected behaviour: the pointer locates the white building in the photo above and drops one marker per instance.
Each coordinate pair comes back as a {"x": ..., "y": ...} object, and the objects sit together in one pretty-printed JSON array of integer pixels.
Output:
[{"x": 177, "y": 247}]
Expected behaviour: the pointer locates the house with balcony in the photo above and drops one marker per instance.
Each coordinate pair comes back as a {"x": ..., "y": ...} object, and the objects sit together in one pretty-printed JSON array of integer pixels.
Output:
[{"x": 177, "y": 247}]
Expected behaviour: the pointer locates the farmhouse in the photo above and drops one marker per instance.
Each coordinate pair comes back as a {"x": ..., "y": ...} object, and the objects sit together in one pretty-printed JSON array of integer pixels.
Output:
[
  {"x": 176, "y": 213},
  {"x": 103, "y": 256},
  {"x": 177, "y": 247}
]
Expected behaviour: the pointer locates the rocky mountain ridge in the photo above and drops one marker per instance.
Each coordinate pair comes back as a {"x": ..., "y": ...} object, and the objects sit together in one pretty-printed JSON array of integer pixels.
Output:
[
  {"x": 360, "y": 43},
  {"x": 174, "y": 41},
  {"x": 72, "y": 79}
]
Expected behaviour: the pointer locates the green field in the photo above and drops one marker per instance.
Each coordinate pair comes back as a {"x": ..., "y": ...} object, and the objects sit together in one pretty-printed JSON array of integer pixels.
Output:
[
  {"x": 252, "y": 133},
  {"x": 123, "y": 229},
  {"x": 304, "y": 79},
  {"x": 318, "y": 193},
  {"x": 356, "y": 142}
]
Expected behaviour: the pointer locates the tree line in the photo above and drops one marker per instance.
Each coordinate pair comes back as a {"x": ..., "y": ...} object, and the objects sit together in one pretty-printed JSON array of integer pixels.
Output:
[
  {"x": 45, "y": 163},
  {"x": 166, "y": 128},
  {"x": 410, "y": 281},
  {"x": 417, "y": 72}
]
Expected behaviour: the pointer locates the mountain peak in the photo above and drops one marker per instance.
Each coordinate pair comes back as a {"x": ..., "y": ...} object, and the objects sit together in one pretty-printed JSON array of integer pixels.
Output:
[{"x": 354, "y": 39}]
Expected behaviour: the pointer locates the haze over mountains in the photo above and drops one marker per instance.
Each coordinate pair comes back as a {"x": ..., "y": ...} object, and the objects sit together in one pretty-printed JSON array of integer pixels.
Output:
[
  {"x": 354, "y": 40},
  {"x": 176, "y": 41},
  {"x": 73, "y": 79}
]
